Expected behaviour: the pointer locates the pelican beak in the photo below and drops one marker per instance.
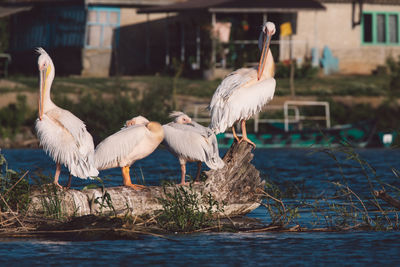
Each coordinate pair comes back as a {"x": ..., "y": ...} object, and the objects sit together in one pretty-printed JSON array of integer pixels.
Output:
[
  {"x": 264, "y": 54},
  {"x": 43, "y": 77}
]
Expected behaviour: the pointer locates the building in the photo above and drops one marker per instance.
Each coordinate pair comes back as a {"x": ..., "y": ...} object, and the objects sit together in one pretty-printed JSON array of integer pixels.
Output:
[
  {"x": 84, "y": 37},
  {"x": 362, "y": 34},
  {"x": 108, "y": 37}
]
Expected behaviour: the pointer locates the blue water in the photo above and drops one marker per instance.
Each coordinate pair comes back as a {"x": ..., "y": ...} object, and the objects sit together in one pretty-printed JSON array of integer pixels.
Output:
[{"x": 295, "y": 168}]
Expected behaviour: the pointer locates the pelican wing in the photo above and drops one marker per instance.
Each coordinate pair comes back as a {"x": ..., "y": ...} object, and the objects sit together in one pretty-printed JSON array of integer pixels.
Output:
[
  {"x": 239, "y": 98},
  {"x": 65, "y": 138},
  {"x": 232, "y": 82},
  {"x": 192, "y": 127},
  {"x": 115, "y": 148},
  {"x": 186, "y": 142}
]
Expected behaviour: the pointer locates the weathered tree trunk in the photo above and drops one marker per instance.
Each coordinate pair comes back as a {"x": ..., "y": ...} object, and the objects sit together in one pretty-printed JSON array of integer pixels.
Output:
[{"x": 238, "y": 185}]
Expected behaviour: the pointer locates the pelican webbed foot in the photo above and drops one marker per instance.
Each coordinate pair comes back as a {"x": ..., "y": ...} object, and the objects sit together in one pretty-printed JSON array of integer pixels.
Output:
[
  {"x": 57, "y": 185},
  {"x": 248, "y": 141},
  {"x": 136, "y": 187}
]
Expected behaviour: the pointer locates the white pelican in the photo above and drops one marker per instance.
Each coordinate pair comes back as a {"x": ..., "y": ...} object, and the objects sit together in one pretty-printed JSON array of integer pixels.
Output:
[
  {"x": 138, "y": 139},
  {"x": 190, "y": 141},
  {"x": 62, "y": 135},
  {"x": 245, "y": 91}
]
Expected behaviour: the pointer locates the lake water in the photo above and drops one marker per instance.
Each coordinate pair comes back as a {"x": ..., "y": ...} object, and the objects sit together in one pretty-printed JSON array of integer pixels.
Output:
[{"x": 310, "y": 173}]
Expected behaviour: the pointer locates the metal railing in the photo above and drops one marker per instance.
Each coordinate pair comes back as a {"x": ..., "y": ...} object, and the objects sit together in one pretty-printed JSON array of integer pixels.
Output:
[
  {"x": 199, "y": 113},
  {"x": 287, "y": 104}
]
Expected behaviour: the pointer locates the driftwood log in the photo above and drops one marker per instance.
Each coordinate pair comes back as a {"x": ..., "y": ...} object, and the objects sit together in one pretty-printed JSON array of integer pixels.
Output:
[{"x": 238, "y": 185}]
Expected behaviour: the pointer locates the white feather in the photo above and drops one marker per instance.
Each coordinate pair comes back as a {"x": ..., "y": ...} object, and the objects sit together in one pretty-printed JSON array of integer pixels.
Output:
[
  {"x": 124, "y": 147},
  {"x": 193, "y": 142},
  {"x": 65, "y": 138},
  {"x": 234, "y": 100}
]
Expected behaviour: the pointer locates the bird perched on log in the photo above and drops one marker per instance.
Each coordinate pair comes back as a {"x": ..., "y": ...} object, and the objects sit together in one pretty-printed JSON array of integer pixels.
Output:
[
  {"x": 61, "y": 134},
  {"x": 245, "y": 91},
  {"x": 138, "y": 139},
  {"x": 190, "y": 141}
]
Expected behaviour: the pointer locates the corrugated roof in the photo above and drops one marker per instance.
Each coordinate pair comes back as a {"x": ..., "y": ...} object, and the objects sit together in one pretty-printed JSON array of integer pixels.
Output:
[
  {"x": 132, "y": 2},
  {"x": 93, "y": 2},
  {"x": 380, "y": 2},
  {"x": 236, "y": 5},
  {"x": 184, "y": 6},
  {"x": 33, "y": 2}
]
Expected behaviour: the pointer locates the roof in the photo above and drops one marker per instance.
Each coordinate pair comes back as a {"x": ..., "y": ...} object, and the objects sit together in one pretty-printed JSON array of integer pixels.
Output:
[
  {"x": 258, "y": 6},
  {"x": 89, "y": 2},
  {"x": 16, "y": 3},
  {"x": 189, "y": 5},
  {"x": 380, "y": 2},
  {"x": 132, "y": 2},
  {"x": 8, "y": 11},
  {"x": 267, "y": 6}
]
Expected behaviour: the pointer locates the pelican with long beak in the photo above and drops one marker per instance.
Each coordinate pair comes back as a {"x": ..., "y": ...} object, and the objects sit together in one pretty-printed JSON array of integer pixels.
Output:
[
  {"x": 61, "y": 134},
  {"x": 245, "y": 91}
]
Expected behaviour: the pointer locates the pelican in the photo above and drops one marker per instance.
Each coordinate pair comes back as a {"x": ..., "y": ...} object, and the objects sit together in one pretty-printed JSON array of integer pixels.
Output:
[
  {"x": 138, "y": 139},
  {"x": 245, "y": 91},
  {"x": 62, "y": 135},
  {"x": 190, "y": 141}
]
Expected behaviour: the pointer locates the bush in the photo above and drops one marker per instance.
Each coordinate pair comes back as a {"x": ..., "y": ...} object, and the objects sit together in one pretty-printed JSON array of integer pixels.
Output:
[
  {"x": 13, "y": 189},
  {"x": 394, "y": 69},
  {"x": 185, "y": 211},
  {"x": 15, "y": 116},
  {"x": 305, "y": 71}
]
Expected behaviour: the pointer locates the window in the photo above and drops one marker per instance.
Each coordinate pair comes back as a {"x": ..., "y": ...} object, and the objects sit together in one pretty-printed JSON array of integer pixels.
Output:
[
  {"x": 102, "y": 24},
  {"x": 380, "y": 28}
]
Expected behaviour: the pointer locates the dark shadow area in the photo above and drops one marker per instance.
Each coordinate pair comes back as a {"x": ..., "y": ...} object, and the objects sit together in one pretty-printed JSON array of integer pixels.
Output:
[
  {"x": 142, "y": 48},
  {"x": 59, "y": 29}
]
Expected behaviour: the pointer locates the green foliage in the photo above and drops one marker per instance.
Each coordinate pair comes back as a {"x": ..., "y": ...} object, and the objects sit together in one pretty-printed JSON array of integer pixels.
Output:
[
  {"x": 305, "y": 71},
  {"x": 157, "y": 102},
  {"x": 102, "y": 117},
  {"x": 104, "y": 201},
  {"x": 14, "y": 116},
  {"x": 280, "y": 214},
  {"x": 394, "y": 69},
  {"x": 349, "y": 209},
  {"x": 4, "y": 34},
  {"x": 184, "y": 210},
  {"x": 51, "y": 200},
  {"x": 385, "y": 115},
  {"x": 14, "y": 191}
]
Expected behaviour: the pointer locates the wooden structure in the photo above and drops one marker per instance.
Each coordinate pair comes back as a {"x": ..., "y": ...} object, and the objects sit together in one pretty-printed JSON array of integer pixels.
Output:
[{"x": 256, "y": 12}]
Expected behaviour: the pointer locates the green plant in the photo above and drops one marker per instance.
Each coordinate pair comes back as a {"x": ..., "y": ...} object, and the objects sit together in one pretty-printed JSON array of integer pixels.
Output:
[
  {"x": 305, "y": 71},
  {"x": 394, "y": 70},
  {"x": 280, "y": 214},
  {"x": 104, "y": 201},
  {"x": 51, "y": 199},
  {"x": 349, "y": 209},
  {"x": 184, "y": 210},
  {"x": 14, "y": 188},
  {"x": 14, "y": 116}
]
